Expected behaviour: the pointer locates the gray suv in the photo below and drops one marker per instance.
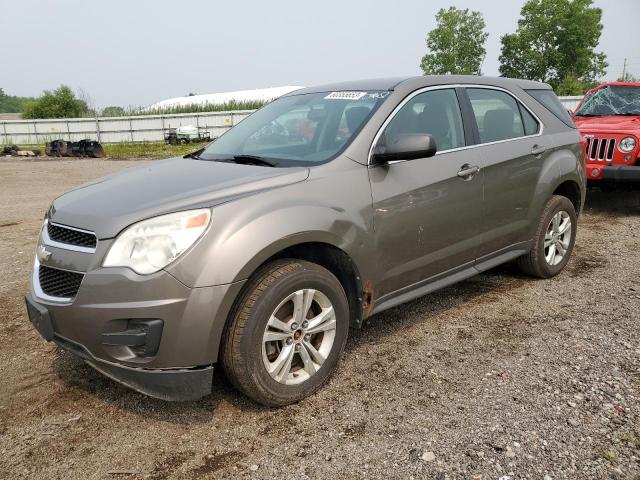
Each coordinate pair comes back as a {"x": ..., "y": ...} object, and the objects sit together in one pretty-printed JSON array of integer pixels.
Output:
[{"x": 325, "y": 207}]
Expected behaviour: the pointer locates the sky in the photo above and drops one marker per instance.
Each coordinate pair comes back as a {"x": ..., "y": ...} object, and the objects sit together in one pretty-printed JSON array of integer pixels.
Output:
[{"x": 137, "y": 52}]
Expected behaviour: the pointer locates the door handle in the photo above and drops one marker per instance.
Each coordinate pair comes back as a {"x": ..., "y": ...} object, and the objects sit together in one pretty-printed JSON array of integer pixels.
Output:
[
  {"x": 538, "y": 150},
  {"x": 468, "y": 171}
]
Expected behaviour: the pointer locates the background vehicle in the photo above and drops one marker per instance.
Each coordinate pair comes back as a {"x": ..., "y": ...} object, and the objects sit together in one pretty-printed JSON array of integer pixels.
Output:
[
  {"x": 609, "y": 121},
  {"x": 187, "y": 134},
  {"x": 324, "y": 207}
]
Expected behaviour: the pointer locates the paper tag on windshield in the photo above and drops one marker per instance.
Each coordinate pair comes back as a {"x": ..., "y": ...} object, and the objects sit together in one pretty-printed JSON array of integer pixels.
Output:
[{"x": 345, "y": 95}]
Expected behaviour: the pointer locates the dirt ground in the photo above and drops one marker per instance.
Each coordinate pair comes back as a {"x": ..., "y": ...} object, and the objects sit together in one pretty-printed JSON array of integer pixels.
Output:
[{"x": 497, "y": 377}]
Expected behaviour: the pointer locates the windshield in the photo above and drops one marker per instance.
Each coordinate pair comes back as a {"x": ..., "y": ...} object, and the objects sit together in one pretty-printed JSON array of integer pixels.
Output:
[
  {"x": 611, "y": 100},
  {"x": 298, "y": 130}
]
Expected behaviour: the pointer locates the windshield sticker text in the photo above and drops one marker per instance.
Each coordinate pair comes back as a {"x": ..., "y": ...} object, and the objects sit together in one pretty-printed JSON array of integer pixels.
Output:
[{"x": 345, "y": 95}]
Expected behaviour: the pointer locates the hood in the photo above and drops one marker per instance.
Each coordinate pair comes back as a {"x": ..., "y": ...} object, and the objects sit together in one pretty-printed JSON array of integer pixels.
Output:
[
  {"x": 109, "y": 204},
  {"x": 610, "y": 123}
]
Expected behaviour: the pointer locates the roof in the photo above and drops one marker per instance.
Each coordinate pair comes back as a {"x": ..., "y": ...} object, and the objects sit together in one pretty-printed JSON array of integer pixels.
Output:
[
  {"x": 422, "y": 81},
  {"x": 619, "y": 84}
]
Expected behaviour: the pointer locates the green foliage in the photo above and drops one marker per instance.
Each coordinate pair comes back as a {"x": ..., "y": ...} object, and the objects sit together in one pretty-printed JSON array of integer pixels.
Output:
[
  {"x": 149, "y": 149},
  {"x": 12, "y": 104},
  {"x": 113, "y": 111},
  {"x": 207, "y": 107},
  {"x": 570, "y": 85},
  {"x": 59, "y": 103},
  {"x": 456, "y": 44},
  {"x": 555, "y": 43},
  {"x": 193, "y": 108}
]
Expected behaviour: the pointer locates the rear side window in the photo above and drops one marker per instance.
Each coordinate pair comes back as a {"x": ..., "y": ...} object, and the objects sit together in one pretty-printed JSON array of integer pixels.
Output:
[
  {"x": 531, "y": 126},
  {"x": 497, "y": 115},
  {"x": 549, "y": 100}
]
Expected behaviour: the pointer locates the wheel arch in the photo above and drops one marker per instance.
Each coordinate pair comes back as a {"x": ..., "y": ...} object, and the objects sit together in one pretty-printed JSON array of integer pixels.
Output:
[
  {"x": 571, "y": 190},
  {"x": 319, "y": 248}
]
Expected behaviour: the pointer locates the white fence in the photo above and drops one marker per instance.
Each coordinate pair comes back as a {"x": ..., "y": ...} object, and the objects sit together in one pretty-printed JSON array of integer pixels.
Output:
[
  {"x": 142, "y": 128},
  {"x": 570, "y": 103}
]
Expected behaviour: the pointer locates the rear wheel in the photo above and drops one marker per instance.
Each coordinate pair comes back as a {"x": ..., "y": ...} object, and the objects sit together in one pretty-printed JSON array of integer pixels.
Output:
[
  {"x": 288, "y": 331},
  {"x": 554, "y": 239}
]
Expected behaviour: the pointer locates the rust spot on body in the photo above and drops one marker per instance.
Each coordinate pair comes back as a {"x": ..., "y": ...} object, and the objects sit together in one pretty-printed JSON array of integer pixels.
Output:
[{"x": 367, "y": 299}]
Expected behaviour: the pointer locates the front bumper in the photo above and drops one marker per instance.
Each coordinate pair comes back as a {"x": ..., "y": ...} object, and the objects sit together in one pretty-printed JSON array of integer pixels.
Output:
[
  {"x": 614, "y": 173},
  {"x": 179, "y": 384},
  {"x": 97, "y": 325}
]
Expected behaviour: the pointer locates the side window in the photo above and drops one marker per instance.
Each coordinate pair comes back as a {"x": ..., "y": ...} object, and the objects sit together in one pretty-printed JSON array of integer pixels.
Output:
[
  {"x": 435, "y": 112},
  {"x": 531, "y": 126},
  {"x": 497, "y": 115}
]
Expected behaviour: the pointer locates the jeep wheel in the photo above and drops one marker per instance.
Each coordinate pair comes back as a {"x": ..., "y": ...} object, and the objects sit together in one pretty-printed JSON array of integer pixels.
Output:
[
  {"x": 554, "y": 239},
  {"x": 287, "y": 332}
]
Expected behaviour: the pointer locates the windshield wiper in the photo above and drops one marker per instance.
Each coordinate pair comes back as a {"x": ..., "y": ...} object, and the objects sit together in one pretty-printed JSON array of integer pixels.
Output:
[
  {"x": 195, "y": 154},
  {"x": 252, "y": 160}
]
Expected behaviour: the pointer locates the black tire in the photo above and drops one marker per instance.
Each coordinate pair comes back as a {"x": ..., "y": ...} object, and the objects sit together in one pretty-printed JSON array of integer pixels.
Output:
[
  {"x": 242, "y": 358},
  {"x": 534, "y": 263}
]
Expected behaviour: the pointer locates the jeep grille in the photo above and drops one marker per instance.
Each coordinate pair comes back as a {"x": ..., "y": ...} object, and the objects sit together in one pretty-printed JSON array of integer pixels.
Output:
[{"x": 600, "y": 148}]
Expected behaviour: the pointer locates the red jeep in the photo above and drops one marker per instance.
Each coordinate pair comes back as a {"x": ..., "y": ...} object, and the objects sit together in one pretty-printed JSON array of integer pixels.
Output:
[{"x": 608, "y": 118}]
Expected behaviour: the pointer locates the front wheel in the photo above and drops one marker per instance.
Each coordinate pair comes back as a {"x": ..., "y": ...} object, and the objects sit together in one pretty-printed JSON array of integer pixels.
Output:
[
  {"x": 287, "y": 332},
  {"x": 554, "y": 239}
]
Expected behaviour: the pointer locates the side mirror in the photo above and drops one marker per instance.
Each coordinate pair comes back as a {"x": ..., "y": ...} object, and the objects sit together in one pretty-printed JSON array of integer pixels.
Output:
[{"x": 406, "y": 146}]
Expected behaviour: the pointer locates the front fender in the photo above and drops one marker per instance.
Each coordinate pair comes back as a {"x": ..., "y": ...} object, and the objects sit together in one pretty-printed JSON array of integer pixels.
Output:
[{"x": 246, "y": 232}]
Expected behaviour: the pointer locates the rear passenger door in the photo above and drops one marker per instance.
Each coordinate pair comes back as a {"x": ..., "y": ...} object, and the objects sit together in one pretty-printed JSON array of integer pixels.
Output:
[{"x": 510, "y": 154}]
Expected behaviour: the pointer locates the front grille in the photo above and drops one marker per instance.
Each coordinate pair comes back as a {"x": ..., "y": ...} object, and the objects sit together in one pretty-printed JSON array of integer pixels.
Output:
[
  {"x": 600, "y": 149},
  {"x": 70, "y": 236},
  {"x": 59, "y": 283}
]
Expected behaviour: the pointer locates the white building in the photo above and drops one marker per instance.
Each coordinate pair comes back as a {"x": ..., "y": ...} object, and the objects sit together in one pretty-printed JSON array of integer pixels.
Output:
[{"x": 260, "y": 94}]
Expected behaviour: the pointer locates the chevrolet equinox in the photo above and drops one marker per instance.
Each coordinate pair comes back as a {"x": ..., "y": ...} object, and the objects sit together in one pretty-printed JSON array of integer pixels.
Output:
[{"x": 324, "y": 207}]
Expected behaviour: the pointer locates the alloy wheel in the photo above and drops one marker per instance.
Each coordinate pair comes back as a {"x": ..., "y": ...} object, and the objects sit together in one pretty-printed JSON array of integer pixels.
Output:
[
  {"x": 299, "y": 336},
  {"x": 557, "y": 238}
]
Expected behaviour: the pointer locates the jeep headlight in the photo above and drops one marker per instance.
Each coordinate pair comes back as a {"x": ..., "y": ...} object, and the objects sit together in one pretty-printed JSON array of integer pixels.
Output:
[
  {"x": 151, "y": 245},
  {"x": 627, "y": 144}
]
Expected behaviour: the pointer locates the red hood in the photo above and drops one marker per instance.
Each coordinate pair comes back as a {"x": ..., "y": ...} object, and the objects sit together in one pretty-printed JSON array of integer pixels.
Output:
[{"x": 609, "y": 123}]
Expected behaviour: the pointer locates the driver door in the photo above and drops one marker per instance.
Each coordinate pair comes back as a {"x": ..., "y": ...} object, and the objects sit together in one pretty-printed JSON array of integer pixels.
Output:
[{"x": 427, "y": 216}]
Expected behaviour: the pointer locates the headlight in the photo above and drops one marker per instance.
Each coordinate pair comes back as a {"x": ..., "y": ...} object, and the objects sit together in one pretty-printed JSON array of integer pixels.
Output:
[
  {"x": 627, "y": 144},
  {"x": 152, "y": 244}
]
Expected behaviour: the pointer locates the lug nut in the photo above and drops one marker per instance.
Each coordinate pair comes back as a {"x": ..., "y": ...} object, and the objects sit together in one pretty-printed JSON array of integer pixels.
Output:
[
  {"x": 294, "y": 326},
  {"x": 298, "y": 348},
  {"x": 289, "y": 341},
  {"x": 307, "y": 337},
  {"x": 305, "y": 324}
]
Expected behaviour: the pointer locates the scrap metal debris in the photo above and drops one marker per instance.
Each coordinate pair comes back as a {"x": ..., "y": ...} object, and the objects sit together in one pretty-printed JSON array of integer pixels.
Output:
[
  {"x": 15, "y": 151},
  {"x": 82, "y": 148}
]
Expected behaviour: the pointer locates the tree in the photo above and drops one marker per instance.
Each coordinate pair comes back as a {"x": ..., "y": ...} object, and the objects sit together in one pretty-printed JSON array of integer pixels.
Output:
[
  {"x": 59, "y": 103},
  {"x": 456, "y": 44},
  {"x": 11, "y": 104},
  {"x": 113, "y": 111},
  {"x": 555, "y": 43}
]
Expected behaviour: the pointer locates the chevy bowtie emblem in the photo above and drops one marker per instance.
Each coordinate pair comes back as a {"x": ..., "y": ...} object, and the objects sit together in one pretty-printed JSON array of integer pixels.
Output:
[{"x": 43, "y": 254}]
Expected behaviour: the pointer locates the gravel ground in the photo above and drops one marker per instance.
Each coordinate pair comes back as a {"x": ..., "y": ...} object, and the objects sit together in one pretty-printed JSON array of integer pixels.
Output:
[{"x": 497, "y": 377}]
